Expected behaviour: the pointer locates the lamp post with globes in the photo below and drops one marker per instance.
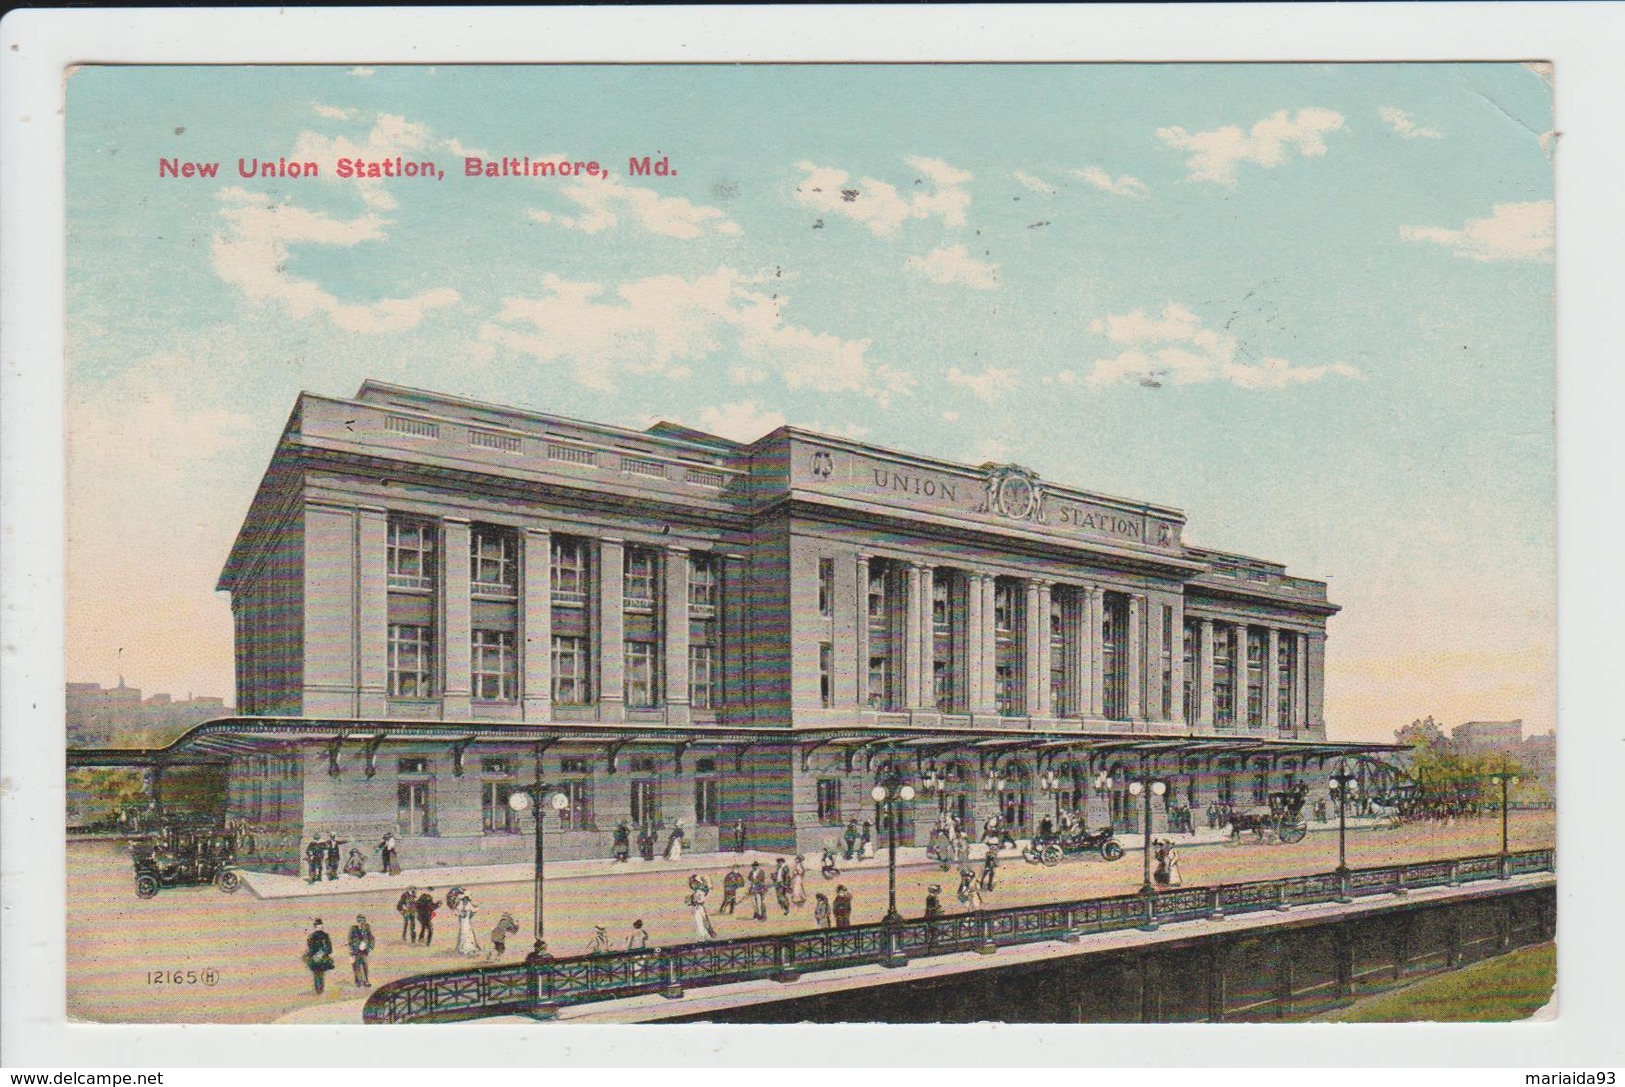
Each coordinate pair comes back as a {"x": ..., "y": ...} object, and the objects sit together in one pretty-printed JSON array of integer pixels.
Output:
[
  {"x": 534, "y": 797},
  {"x": 1345, "y": 785},
  {"x": 889, "y": 792},
  {"x": 1505, "y": 781},
  {"x": 1144, "y": 789}
]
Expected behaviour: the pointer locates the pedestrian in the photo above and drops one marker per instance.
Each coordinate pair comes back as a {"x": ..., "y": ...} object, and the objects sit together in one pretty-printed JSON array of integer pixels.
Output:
[
  {"x": 990, "y": 868},
  {"x": 961, "y": 849},
  {"x": 933, "y": 901},
  {"x": 426, "y": 905},
  {"x": 638, "y": 938},
  {"x": 828, "y": 868},
  {"x": 361, "y": 944},
  {"x": 600, "y": 941},
  {"x": 781, "y": 885},
  {"x": 1046, "y": 829},
  {"x": 355, "y": 865},
  {"x": 315, "y": 854},
  {"x": 674, "y": 844},
  {"x": 467, "y": 942},
  {"x": 506, "y": 927},
  {"x": 798, "y": 881},
  {"x": 407, "y": 907},
  {"x": 967, "y": 883},
  {"x": 739, "y": 836},
  {"x": 390, "y": 849},
  {"x": 821, "y": 909},
  {"x": 699, "y": 889},
  {"x": 646, "y": 842},
  {"x": 318, "y": 955},
  {"x": 732, "y": 883},
  {"x": 843, "y": 907},
  {"x": 851, "y": 839},
  {"x": 757, "y": 878},
  {"x": 332, "y": 857},
  {"x": 868, "y": 841},
  {"x": 623, "y": 842},
  {"x": 1171, "y": 861}
]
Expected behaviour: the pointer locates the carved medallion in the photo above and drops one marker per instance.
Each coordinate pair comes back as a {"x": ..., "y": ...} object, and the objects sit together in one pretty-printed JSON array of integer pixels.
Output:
[
  {"x": 1013, "y": 491},
  {"x": 823, "y": 465}
]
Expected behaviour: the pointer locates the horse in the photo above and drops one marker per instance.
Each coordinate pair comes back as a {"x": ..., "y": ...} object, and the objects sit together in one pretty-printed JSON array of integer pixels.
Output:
[{"x": 1285, "y": 809}]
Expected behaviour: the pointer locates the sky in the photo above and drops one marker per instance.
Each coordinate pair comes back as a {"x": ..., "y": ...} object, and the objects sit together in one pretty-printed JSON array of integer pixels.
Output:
[{"x": 1310, "y": 305}]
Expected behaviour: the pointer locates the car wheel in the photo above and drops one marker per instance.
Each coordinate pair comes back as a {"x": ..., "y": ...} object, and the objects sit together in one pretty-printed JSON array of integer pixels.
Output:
[
  {"x": 1051, "y": 856},
  {"x": 146, "y": 886},
  {"x": 1112, "y": 851},
  {"x": 228, "y": 881}
]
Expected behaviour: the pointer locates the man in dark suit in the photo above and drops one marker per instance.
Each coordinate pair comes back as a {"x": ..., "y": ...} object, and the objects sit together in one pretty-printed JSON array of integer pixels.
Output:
[
  {"x": 319, "y": 955},
  {"x": 332, "y": 858},
  {"x": 407, "y": 907},
  {"x": 315, "y": 854},
  {"x": 426, "y": 907},
  {"x": 361, "y": 945}
]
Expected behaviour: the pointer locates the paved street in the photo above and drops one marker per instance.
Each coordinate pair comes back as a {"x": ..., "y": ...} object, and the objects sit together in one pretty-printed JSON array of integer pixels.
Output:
[{"x": 115, "y": 940}]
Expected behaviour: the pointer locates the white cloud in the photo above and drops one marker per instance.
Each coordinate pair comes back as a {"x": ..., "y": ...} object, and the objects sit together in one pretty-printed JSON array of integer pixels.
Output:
[
  {"x": 252, "y": 255},
  {"x": 462, "y": 150},
  {"x": 1401, "y": 122},
  {"x": 953, "y": 264},
  {"x": 1175, "y": 348},
  {"x": 1100, "y": 179},
  {"x": 333, "y": 112},
  {"x": 603, "y": 202},
  {"x": 652, "y": 325},
  {"x": 1036, "y": 184},
  {"x": 390, "y": 135},
  {"x": 878, "y": 205},
  {"x": 743, "y": 422},
  {"x": 1518, "y": 232},
  {"x": 1216, "y": 154},
  {"x": 988, "y": 385},
  {"x": 363, "y": 71}
]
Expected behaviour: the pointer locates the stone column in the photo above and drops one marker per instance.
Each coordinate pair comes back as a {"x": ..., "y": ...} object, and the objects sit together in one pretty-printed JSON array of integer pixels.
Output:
[
  {"x": 372, "y": 610},
  {"x": 1204, "y": 674},
  {"x": 1313, "y": 669},
  {"x": 675, "y": 596},
  {"x": 1097, "y": 651},
  {"x": 990, "y": 644},
  {"x": 1272, "y": 681},
  {"x": 977, "y": 626},
  {"x": 1035, "y": 650},
  {"x": 862, "y": 670},
  {"x": 536, "y": 623},
  {"x": 910, "y": 685},
  {"x": 611, "y": 655},
  {"x": 1240, "y": 675},
  {"x": 735, "y": 646},
  {"x": 1136, "y": 658},
  {"x": 1176, "y": 667},
  {"x": 1075, "y": 645},
  {"x": 456, "y": 653},
  {"x": 927, "y": 639}
]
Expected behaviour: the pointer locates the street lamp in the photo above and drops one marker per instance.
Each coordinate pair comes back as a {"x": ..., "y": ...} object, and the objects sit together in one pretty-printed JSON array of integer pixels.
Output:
[
  {"x": 519, "y": 800},
  {"x": 889, "y": 792},
  {"x": 1345, "y": 785},
  {"x": 1504, "y": 781},
  {"x": 1145, "y": 789},
  {"x": 1050, "y": 782}
]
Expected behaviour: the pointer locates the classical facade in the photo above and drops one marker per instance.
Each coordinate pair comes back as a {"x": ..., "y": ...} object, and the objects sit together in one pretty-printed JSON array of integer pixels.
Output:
[{"x": 437, "y": 600}]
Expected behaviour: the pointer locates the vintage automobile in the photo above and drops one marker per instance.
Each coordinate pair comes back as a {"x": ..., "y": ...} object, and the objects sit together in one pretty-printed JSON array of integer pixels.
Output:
[
  {"x": 182, "y": 856},
  {"x": 1049, "y": 850}
]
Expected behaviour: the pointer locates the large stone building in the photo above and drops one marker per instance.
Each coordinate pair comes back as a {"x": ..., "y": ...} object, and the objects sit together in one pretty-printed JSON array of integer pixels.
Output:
[
  {"x": 101, "y": 716},
  {"x": 437, "y": 600}
]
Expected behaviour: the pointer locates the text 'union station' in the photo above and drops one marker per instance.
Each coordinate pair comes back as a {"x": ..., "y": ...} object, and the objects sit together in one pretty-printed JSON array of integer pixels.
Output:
[{"x": 436, "y": 600}]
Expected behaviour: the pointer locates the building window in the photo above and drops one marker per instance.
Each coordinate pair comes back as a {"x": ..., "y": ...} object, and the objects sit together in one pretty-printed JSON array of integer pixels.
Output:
[
  {"x": 575, "y": 766},
  {"x": 1004, "y": 607},
  {"x": 877, "y": 593},
  {"x": 829, "y": 802},
  {"x": 1261, "y": 788},
  {"x": 1286, "y": 656},
  {"x": 1224, "y": 691},
  {"x": 705, "y": 766},
  {"x": 1114, "y": 627},
  {"x": 642, "y": 687},
  {"x": 1167, "y": 662},
  {"x": 702, "y": 583},
  {"x": 826, "y": 587},
  {"x": 496, "y": 817},
  {"x": 700, "y": 677},
  {"x": 413, "y": 765},
  {"x": 570, "y": 685},
  {"x": 1254, "y": 642},
  {"x": 1004, "y": 689},
  {"x": 411, "y": 653},
  {"x": 942, "y": 686},
  {"x": 578, "y": 814},
  {"x": 411, "y": 554},
  {"x": 569, "y": 572},
  {"x": 414, "y": 809},
  {"x": 1227, "y": 789},
  {"x": 494, "y": 557},
  {"x": 1057, "y": 690},
  {"x": 941, "y": 606},
  {"x": 879, "y": 673},
  {"x": 1057, "y": 619},
  {"x": 495, "y": 672},
  {"x": 642, "y": 566},
  {"x": 707, "y": 807},
  {"x": 826, "y": 675},
  {"x": 1193, "y": 646},
  {"x": 496, "y": 766},
  {"x": 645, "y": 802}
]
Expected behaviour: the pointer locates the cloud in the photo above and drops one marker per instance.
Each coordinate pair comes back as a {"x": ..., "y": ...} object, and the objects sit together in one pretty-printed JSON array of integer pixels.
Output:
[
  {"x": 743, "y": 422},
  {"x": 252, "y": 255},
  {"x": 1175, "y": 348},
  {"x": 363, "y": 71},
  {"x": 604, "y": 202},
  {"x": 654, "y": 326},
  {"x": 1100, "y": 179},
  {"x": 334, "y": 112},
  {"x": 878, "y": 205},
  {"x": 1401, "y": 122},
  {"x": 1216, "y": 154},
  {"x": 953, "y": 264},
  {"x": 1516, "y": 232},
  {"x": 1036, "y": 184},
  {"x": 390, "y": 135},
  {"x": 988, "y": 385}
]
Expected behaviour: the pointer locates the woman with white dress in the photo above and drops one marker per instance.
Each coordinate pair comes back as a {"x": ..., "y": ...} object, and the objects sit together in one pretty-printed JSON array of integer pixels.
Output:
[
  {"x": 699, "y": 889},
  {"x": 467, "y": 942},
  {"x": 674, "y": 845}
]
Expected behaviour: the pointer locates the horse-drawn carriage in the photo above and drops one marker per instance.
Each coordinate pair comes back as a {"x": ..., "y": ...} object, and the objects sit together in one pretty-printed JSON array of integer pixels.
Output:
[
  {"x": 1049, "y": 849},
  {"x": 183, "y": 856},
  {"x": 1282, "y": 821}
]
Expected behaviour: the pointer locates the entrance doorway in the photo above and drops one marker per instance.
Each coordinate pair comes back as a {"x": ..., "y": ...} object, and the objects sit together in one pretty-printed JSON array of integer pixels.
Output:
[{"x": 413, "y": 817}]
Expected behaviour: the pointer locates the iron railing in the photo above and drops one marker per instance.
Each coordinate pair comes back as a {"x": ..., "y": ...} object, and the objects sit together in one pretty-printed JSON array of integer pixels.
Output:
[{"x": 523, "y": 988}]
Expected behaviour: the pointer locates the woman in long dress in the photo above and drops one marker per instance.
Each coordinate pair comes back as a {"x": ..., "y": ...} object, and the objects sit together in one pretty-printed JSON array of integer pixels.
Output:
[
  {"x": 798, "y": 887},
  {"x": 674, "y": 845},
  {"x": 467, "y": 942},
  {"x": 699, "y": 891}
]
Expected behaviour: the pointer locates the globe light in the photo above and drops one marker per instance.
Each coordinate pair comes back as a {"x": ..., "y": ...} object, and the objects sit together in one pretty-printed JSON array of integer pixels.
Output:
[
  {"x": 560, "y": 802},
  {"x": 1135, "y": 788},
  {"x": 879, "y": 793},
  {"x": 1159, "y": 787},
  {"x": 519, "y": 801},
  {"x": 906, "y": 792}
]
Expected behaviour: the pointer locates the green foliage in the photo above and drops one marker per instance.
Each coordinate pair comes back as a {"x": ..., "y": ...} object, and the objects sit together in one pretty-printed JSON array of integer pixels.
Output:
[{"x": 1503, "y": 989}]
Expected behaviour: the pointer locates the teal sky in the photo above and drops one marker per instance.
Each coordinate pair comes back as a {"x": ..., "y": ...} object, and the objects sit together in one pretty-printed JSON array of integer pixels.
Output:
[{"x": 1311, "y": 305}]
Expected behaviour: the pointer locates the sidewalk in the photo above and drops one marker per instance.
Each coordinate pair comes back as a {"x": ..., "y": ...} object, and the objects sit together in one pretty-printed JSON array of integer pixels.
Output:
[{"x": 271, "y": 885}]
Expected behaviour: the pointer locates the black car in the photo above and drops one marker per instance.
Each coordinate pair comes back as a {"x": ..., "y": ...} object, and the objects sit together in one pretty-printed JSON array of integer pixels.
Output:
[{"x": 177, "y": 856}]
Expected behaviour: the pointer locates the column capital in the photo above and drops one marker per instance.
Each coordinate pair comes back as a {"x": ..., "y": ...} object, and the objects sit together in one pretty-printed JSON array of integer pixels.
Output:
[
  {"x": 452, "y": 519},
  {"x": 921, "y": 566},
  {"x": 677, "y": 549},
  {"x": 1041, "y": 582},
  {"x": 615, "y": 541},
  {"x": 531, "y": 530}
]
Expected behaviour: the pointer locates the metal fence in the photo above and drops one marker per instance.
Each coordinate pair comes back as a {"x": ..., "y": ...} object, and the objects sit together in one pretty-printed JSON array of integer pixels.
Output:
[{"x": 526, "y": 988}]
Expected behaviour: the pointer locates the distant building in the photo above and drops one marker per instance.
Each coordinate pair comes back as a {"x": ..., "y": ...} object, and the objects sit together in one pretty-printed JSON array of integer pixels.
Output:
[
  {"x": 100, "y": 716},
  {"x": 1535, "y": 755},
  {"x": 1483, "y": 737}
]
